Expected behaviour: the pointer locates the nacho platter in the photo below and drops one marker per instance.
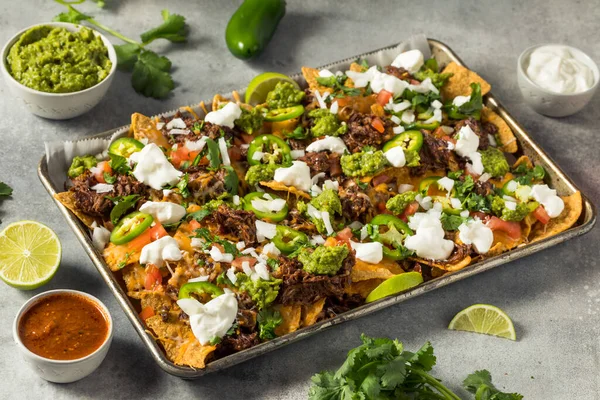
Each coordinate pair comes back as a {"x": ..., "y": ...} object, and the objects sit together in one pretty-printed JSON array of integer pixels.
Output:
[{"x": 526, "y": 147}]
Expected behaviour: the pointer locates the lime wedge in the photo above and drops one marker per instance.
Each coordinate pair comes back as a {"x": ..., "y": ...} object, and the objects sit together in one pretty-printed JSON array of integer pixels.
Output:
[
  {"x": 262, "y": 84},
  {"x": 484, "y": 318},
  {"x": 29, "y": 254},
  {"x": 394, "y": 285}
]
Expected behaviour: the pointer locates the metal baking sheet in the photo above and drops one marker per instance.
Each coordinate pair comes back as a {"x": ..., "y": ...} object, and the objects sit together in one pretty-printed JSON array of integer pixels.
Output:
[{"x": 527, "y": 146}]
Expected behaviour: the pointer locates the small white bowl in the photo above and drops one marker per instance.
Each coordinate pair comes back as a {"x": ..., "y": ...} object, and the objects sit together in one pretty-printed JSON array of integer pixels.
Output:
[
  {"x": 550, "y": 103},
  {"x": 63, "y": 371},
  {"x": 58, "y": 105}
]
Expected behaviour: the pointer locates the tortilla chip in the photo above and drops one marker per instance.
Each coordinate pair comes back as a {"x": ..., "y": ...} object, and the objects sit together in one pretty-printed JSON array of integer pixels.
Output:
[
  {"x": 357, "y": 67},
  {"x": 310, "y": 313},
  {"x": 291, "y": 319},
  {"x": 280, "y": 187},
  {"x": 508, "y": 141},
  {"x": 179, "y": 342},
  {"x": 569, "y": 216},
  {"x": 377, "y": 110},
  {"x": 156, "y": 300},
  {"x": 459, "y": 83},
  {"x": 67, "y": 199},
  {"x": 523, "y": 160},
  {"x": 311, "y": 75},
  {"x": 144, "y": 127},
  {"x": 444, "y": 266},
  {"x": 363, "y": 271},
  {"x": 118, "y": 256},
  {"x": 363, "y": 288},
  {"x": 134, "y": 276}
]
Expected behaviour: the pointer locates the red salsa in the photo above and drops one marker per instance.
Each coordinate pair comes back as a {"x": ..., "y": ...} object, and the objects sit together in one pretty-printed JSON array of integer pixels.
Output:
[{"x": 63, "y": 326}]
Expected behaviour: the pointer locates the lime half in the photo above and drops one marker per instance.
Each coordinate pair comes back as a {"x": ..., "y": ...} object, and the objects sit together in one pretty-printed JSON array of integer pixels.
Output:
[
  {"x": 262, "y": 84},
  {"x": 394, "y": 285},
  {"x": 29, "y": 254},
  {"x": 484, "y": 318}
]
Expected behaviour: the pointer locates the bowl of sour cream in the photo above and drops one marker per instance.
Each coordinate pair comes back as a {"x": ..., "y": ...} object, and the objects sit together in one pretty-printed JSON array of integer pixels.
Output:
[{"x": 557, "y": 80}]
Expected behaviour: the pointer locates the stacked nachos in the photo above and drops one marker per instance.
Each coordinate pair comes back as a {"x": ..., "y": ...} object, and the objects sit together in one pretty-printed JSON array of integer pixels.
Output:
[{"x": 260, "y": 219}]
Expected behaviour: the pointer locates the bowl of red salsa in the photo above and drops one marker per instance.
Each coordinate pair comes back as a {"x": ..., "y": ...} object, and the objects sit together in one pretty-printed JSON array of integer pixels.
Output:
[{"x": 64, "y": 335}]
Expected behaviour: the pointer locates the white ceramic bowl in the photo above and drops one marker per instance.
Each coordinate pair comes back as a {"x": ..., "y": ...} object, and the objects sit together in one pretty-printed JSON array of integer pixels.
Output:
[
  {"x": 550, "y": 103},
  {"x": 63, "y": 371},
  {"x": 58, "y": 105}
]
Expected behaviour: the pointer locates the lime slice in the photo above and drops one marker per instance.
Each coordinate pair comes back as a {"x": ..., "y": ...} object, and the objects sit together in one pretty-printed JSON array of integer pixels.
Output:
[
  {"x": 29, "y": 254},
  {"x": 394, "y": 285},
  {"x": 262, "y": 84},
  {"x": 484, "y": 318}
]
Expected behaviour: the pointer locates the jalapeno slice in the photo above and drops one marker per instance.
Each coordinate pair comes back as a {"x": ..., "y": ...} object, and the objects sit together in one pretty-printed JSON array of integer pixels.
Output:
[
  {"x": 426, "y": 183},
  {"x": 130, "y": 227},
  {"x": 421, "y": 125},
  {"x": 506, "y": 190},
  {"x": 125, "y": 147},
  {"x": 185, "y": 292},
  {"x": 288, "y": 240},
  {"x": 447, "y": 205},
  {"x": 283, "y": 114},
  {"x": 271, "y": 144},
  {"x": 397, "y": 224},
  {"x": 408, "y": 140},
  {"x": 257, "y": 197}
]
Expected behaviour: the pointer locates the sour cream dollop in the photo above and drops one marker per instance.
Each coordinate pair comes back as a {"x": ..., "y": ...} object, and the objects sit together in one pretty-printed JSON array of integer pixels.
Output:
[{"x": 557, "y": 69}]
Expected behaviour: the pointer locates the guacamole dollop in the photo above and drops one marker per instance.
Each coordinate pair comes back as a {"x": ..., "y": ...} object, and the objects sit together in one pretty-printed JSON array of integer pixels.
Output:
[
  {"x": 363, "y": 163},
  {"x": 259, "y": 173},
  {"x": 284, "y": 95},
  {"x": 323, "y": 260},
  {"x": 500, "y": 210},
  {"x": 262, "y": 292},
  {"x": 55, "y": 60},
  {"x": 250, "y": 121},
  {"x": 80, "y": 164},
  {"x": 494, "y": 162},
  {"x": 328, "y": 201},
  {"x": 326, "y": 123},
  {"x": 398, "y": 203}
]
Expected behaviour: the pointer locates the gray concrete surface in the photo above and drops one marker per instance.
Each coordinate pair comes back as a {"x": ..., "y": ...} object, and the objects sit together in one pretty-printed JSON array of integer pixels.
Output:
[{"x": 553, "y": 297}]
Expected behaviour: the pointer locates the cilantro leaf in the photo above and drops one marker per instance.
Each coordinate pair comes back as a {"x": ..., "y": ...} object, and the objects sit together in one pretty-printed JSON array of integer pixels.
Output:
[
  {"x": 231, "y": 180},
  {"x": 470, "y": 108},
  {"x": 480, "y": 383},
  {"x": 110, "y": 179},
  {"x": 5, "y": 190},
  {"x": 182, "y": 186},
  {"x": 424, "y": 357},
  {"x": 127, "y": 55},
  {"x": 119, "y": 164},
  {"x": 527, "y": 175},
  {"x": 122, "y": 204},
  {"x": 268, "y": 320},
  {"x": 298, "y": 133},
  {"x": 72, "y": 16},
  {"x": 151, "y": 75},
  {"x": 200, "y": 214},
  {"x": 213, "y": 153},
  {"x": 173, "y": 29},
  {"x": 451, "y": 222}
]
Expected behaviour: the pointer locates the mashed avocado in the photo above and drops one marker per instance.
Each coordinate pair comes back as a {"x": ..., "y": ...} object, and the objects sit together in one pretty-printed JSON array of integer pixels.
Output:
[
  {"x": 262, "y": 292},
  {"x": 328, "y": 201},
  {"x": 398, "y": 203},
  {"x": 250, "y": 121},
  {"x": 500, "y": 210},
  {"x": 80, "y": 165},
  {"x": 323, "y": 260},
  {"x": 363, "y": 163},
  {"x": 259, "y": 173},
  {"x": 494, "y": 162},
  {"x": 326, "y": 123},
  {"x": 284, "y": 95},
  {"x": 56, "y": 60}
]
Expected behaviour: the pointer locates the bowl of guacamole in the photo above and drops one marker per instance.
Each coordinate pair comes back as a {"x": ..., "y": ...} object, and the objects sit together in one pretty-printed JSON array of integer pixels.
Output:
[{"x": 58, "y": 70}]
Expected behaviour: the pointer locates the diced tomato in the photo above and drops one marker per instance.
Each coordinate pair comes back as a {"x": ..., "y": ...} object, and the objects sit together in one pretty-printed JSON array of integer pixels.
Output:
[
  {"x": 379, "y": 179},
  {"x": 480, "y": 215},
  {"x": 246, "y": 138},
  {"x": 237, "y": 263},
  {"x": 345, "y": 234},
  {"x": 102, "y": 167},
  {"x": 541, "y": 215},
  {"x": 414, "y": 82},
  {"x": 381, "y": 206},
  {"x": 194, "y": 225},
  {"x": 377, "y": 124},
  {"x": 147, "y": 312},
  {"x": 181, "y": 155},
  {"x": 149, "y": 235},
  {"x": 153, "y": 277},
  {"x": 235, "y": 153},
  {"x": 384, "y": 97},
  {"x": 449, "y": 139},
  {"x": 409, "y": 210},
  {"x": 511, "y": 228}
]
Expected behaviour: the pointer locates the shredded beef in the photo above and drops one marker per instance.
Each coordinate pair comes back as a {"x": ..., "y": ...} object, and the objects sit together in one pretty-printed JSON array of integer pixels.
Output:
[
  {"x": 298, "y": 144},
  {"x": 236, "y": 342},
  {"x": 360, "y": 132},
  {"x": 356, "y": 205},
  {"x": 399, "y": 73},
  {"x": 300, "y": 287},
  {"x": 476, "y": 127},
  {"x": 434, "y": 155},
  {"x": 97, "y": 204},
  {"x": 337, "y": 305},
  {"x": 239, "y": 223},
  {"x": 164, "y": 313},
  {"x": 208, "y": 129},
  {"x": 459, "y": 253},
  {"x": 323, "y": 161},
  {"x": 205, "y": 185}
]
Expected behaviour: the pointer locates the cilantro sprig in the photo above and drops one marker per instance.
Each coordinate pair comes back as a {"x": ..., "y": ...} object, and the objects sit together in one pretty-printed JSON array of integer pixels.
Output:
[
  {"x": 5, "y": 190},
  {"x": 150, "y": 72}
]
